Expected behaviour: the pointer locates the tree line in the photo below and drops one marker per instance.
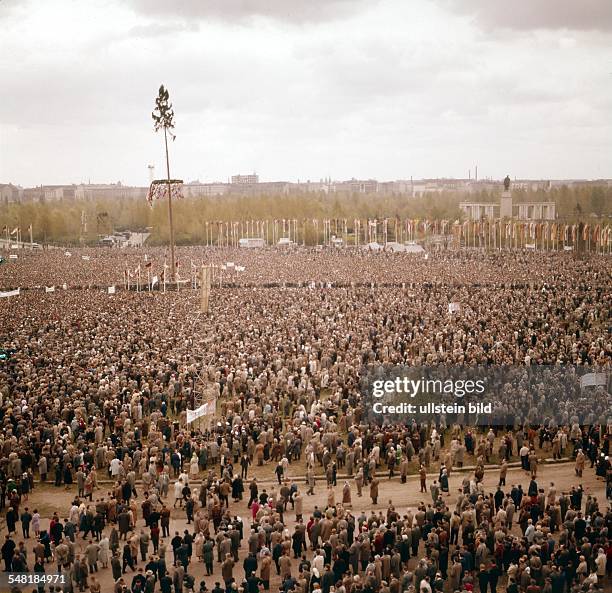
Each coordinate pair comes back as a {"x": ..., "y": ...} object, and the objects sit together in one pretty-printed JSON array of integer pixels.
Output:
[{"x": 78, "y": 222}]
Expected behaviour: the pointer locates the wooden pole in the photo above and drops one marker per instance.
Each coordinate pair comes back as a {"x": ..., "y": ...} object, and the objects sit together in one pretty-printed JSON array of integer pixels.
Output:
[{"x": 205, "y": 293}]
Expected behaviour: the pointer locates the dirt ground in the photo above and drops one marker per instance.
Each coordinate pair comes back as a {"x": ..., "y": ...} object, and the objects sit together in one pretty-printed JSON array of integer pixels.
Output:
[{"x": 48, "y": 499}]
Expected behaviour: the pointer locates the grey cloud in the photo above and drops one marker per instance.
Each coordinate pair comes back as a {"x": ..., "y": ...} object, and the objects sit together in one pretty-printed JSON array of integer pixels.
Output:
[
  {"x": 520, "y": 15},
  {"x": 289, "y": 11}
]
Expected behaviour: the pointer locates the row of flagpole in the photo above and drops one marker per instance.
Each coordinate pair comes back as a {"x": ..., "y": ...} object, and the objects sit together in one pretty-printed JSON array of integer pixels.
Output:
[
  {"x": 546, "y": 236},
  {"x": 17, "y": 233},
  {"x": 492, "y": 234},
  {"x": 134, "y": 279}
]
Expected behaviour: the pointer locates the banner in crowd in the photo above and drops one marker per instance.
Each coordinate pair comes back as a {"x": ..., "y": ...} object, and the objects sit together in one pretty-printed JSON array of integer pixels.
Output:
[
  {"x": 9, "y": 293},
  {"x": 111, "y": 290},
  {"x": 454, "y": 308},
  {"x": 206, "y": 409},
  {"x": 49, "y": 288},
  {"x": 593, "y": 380}
]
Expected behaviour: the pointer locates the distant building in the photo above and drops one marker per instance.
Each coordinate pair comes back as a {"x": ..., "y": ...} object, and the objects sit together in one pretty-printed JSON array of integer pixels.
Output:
[
  {"x": 257, "y": 189},
  {"x": 91, "y": 191},
  {"x": 55, "y": 193},
  {"x": 356, "y": 186},
  {"x": 198, "y": 190},
  {"x": 245, "y": 179},
  {"x": 478, "y": 210},
  {"x": 506, "y": 209},
  {"x": 536, "y": 211},
  {"x": 10, "y": 193}
]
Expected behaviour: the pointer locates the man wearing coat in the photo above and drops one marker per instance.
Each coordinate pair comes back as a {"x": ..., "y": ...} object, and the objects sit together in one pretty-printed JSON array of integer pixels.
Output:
[{"x": 374, "y": 490}]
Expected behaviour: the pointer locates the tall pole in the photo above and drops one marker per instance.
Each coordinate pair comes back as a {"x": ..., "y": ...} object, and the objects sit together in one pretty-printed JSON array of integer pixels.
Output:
[{"x": 173, "y": 272}]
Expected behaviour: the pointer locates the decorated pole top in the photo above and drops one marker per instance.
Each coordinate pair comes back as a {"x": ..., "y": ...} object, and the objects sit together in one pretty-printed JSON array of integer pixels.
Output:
[{"x": 158, "y": 190}]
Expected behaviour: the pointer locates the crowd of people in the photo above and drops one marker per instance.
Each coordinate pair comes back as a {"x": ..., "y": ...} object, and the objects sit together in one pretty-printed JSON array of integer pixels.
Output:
[
  {"x": 95, "y": 390},
  {"x": 89, "y": 267}
]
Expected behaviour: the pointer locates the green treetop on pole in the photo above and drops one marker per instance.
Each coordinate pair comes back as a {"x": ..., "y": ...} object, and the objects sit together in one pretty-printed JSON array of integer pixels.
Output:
[{"x": 163, "y": 118}]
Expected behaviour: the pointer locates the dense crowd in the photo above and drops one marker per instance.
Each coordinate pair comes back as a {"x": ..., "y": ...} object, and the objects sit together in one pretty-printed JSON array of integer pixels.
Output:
[
  {"x": 85, "y": 267},
  {"x": 97, "y": 387}
]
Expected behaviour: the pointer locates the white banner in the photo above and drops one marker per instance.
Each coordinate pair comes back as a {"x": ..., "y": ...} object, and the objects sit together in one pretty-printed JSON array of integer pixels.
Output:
[
  {"x": 230, "y": 264},
  {"x": 239, "y": 268},
  {"x": 9, "y": 293},
  {"x": 454, "y": 307},
  {"x": 13, "y": 256},
  {"x": 568, "y": 248},
  {"x": 85, "y": 257},
  {"x": 68, "y": 254},
  {"x": 593, "y": 380},
  {"x": 206, "y": 409},
  {"x": 111, "y": 290},
  {"x": 49, "y": 288}
]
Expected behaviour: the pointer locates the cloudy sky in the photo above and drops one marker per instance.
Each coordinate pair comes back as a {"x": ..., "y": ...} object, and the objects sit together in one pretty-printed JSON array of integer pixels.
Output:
[{"x": 304, "y": 89}]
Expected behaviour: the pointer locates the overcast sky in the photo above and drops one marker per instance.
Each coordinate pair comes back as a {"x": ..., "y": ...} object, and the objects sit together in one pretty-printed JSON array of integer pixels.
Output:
[{"x": 304, "y": 89}]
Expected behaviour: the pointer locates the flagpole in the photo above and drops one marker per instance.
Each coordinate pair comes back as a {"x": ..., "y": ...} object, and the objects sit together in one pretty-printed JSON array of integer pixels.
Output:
[{"x": 169, "y": 206}]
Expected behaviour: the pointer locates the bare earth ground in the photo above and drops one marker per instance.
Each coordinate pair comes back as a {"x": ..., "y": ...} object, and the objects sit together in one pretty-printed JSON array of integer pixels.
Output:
[{"x": 47, "y": 499}]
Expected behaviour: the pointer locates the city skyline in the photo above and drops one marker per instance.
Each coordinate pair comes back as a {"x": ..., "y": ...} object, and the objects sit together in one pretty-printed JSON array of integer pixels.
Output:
[{"x": 306, "y": 90}]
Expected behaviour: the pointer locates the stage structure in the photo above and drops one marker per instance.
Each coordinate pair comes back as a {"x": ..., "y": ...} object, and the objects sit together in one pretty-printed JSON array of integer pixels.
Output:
[
  {"x": 206, "y": 281},
  {"x": 205, "y": 393}
]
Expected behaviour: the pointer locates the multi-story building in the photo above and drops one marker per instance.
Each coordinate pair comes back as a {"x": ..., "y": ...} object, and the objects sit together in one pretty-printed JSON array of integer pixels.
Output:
[
  {"x": 200, "y": 190},
  {"x": 91, "y": 191},
  {"x": 10, "y": 193},
  {"x": 355, "y": 186},
  {"x": 245, "y": 179}
]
